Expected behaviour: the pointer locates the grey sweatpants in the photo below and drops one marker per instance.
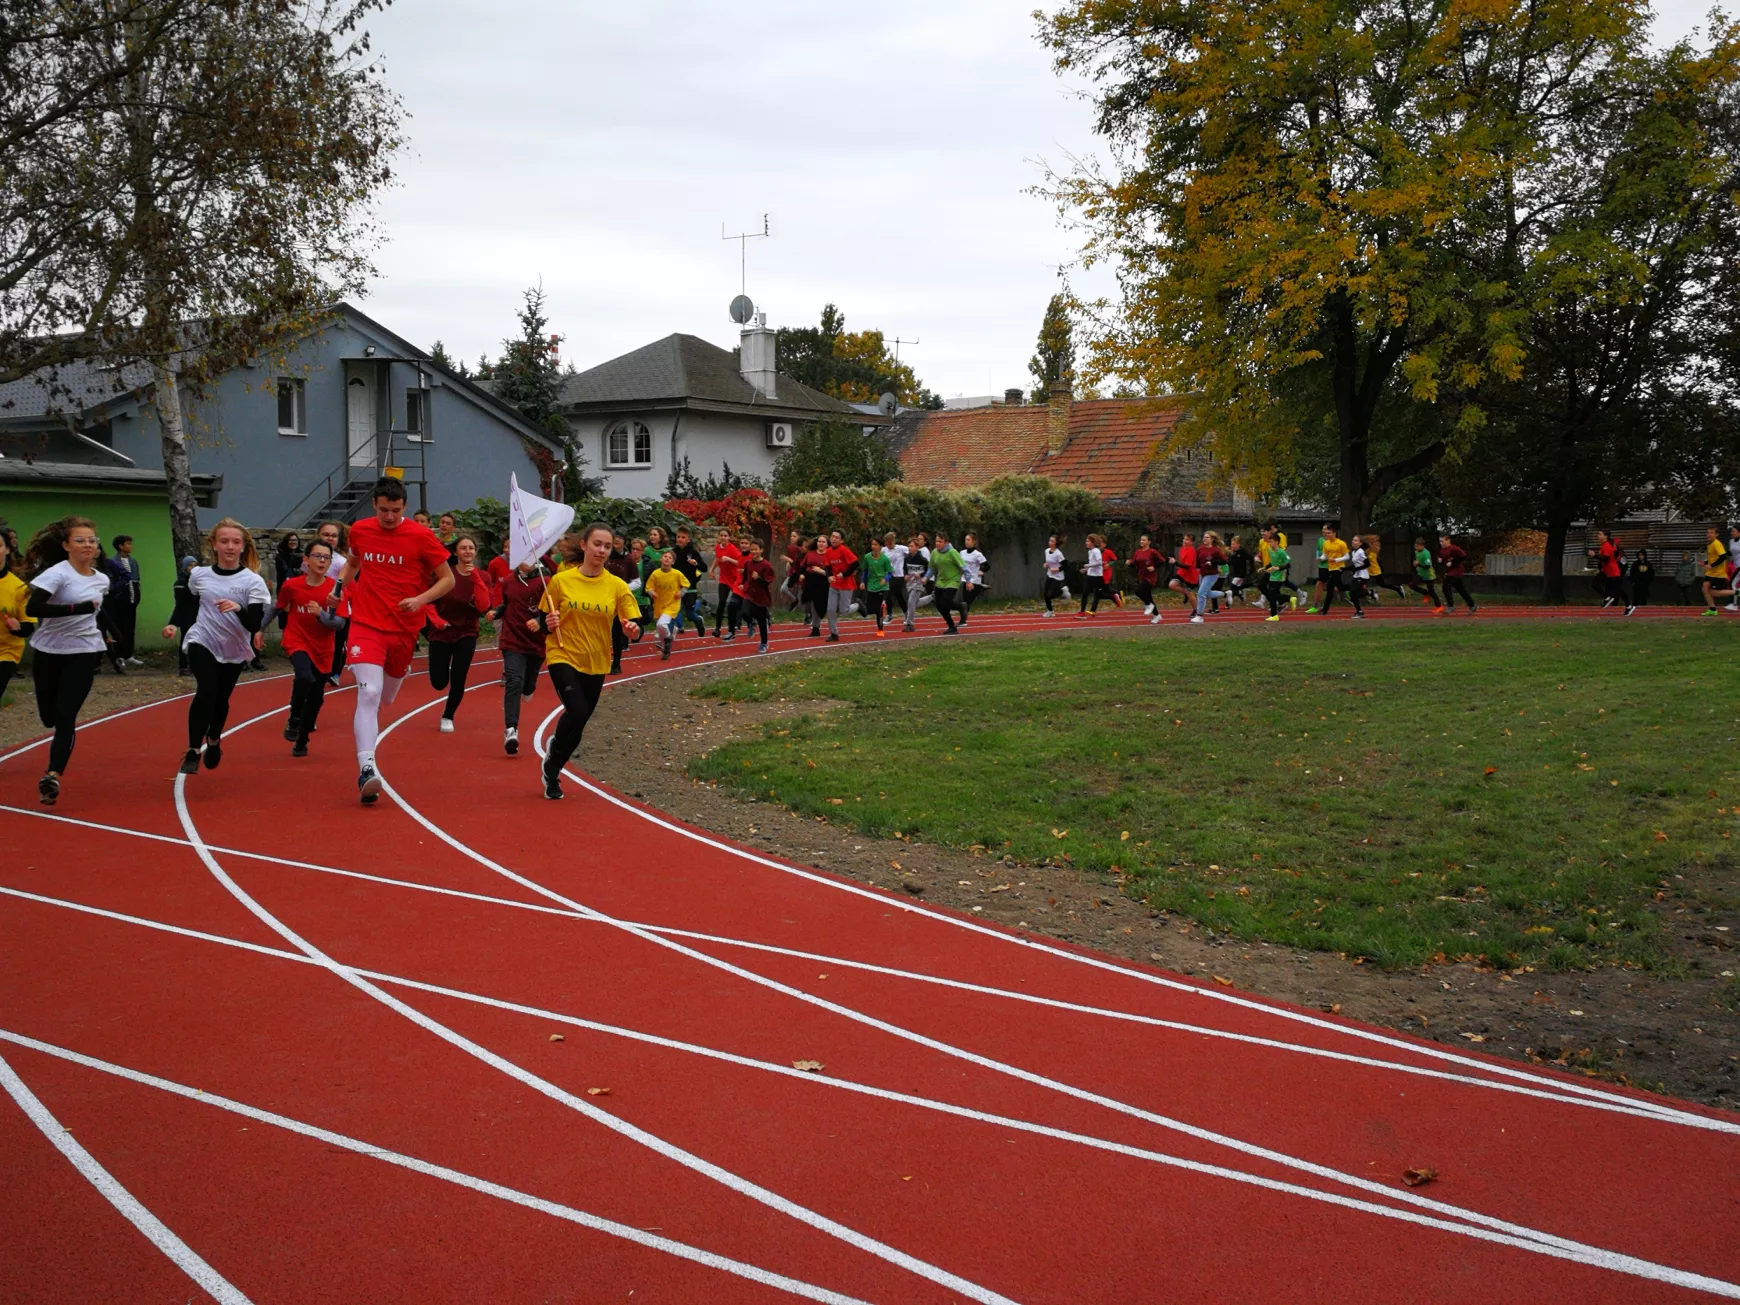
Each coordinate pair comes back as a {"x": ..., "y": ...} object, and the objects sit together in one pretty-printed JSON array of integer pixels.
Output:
[{"x": 839, "y": 604}]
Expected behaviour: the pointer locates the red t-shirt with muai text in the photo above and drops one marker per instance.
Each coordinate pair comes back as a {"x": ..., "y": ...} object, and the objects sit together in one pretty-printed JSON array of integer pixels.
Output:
[{"x": 393, "y": 565}]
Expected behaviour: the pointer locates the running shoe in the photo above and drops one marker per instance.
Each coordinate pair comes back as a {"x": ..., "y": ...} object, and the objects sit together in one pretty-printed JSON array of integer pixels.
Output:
[
  {"x": 1293, "y": 602},
  {"x": 880, "y": 634},
  {"x": 48, "y": 789},
  {"x": 190, "y": 762},
  {"x": 510, "y": 741},
  {"x": 815, "y": 631},
  {"x": 290, "y": 731},
  {"x": 300, "y": 749},
  {"x": 1606, "y": 603},
  {"x": 1436, "y": 611},
  {"x": 1311, "y": 611},
  {"x": 908, "y": 628},
  {"x": 1196, "y": 620},
  {"x": 368, "y": 785},
  {"x": 1155, "y": 619},
  {"x": 447, "y": 724},
  {"x": 552, "y": 782},
  {"x": 214, "y": 753},
  {"x": 1148, "y": 609},
  {"x": 1732, "y": 607},
  {"x": 1357, "y": 616},
  {"x": 1276, "y": 617},
  {"x": 763, "y": 647},
  {"x": 1472, "y": 610},
  {"x": 730, "y": 636},
  {"x": 665, "y": 650},
  {"x": 1710, "y": 611},
  {"x": 833, "y": 638},
  {"x": 1048, "y": 613},
  {"x": 1630, "y": 608}
]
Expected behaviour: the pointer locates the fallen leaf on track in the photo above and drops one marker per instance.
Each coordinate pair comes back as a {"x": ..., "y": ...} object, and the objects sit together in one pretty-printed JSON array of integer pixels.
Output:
[
  {"x": 1220, "y": 979},
  {"x": 557, "y": 1037},
  {"x": 808, "y": 1066},
  {"x": 597, "y": 1092},
  {"x": 1418, "y": 1177}
]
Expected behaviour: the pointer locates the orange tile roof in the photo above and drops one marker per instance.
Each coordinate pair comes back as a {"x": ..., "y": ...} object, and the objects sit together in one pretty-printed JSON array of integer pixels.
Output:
[
  {"x": 956, "y": 450},
  {"x": 1111, "y": 445}
]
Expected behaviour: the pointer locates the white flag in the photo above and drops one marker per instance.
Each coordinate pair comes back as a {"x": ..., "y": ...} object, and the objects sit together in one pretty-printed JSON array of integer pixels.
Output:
[{"x": 533, "y": 524}]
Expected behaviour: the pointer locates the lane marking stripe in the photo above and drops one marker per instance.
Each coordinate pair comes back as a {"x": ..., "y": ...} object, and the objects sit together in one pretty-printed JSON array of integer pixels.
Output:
[{"x": 183, "y": 1256}]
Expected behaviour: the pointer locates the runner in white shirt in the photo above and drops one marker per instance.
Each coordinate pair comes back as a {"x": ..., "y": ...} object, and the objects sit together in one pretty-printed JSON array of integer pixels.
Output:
[
  {"x": 1093, "y": 576},
  {"x": 66, "y": 596},
  {"x": 973, "y": 567},
  {"x": 1054, "y": 586},
  {"x": 222, "y": 637}
]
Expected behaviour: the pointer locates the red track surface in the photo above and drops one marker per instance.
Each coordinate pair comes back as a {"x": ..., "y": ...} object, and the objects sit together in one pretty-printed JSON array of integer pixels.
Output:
[{"x": 333, "y": 1087}]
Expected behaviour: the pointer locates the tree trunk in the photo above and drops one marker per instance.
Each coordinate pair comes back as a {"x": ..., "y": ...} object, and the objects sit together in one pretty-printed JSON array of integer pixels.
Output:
[
  {"x": 1553, "y": 565},
  {"x": 177, "y": 472}
]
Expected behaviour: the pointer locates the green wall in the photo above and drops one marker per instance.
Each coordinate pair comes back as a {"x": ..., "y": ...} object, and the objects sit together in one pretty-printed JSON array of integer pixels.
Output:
[{"x": 145, "y": 516}]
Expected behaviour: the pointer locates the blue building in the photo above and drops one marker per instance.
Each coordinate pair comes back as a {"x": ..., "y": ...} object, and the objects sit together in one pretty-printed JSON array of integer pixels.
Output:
[{"x": 294, "y": 438}]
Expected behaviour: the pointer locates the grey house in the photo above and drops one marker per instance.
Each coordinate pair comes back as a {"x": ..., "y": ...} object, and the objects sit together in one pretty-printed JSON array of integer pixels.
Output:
[
  {"x": 636, "y": 417},
  {"x": 295, "y": 438}
]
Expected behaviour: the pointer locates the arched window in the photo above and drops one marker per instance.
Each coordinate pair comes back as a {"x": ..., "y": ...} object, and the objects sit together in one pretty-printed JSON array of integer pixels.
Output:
[{"x": 628, "y": 444}]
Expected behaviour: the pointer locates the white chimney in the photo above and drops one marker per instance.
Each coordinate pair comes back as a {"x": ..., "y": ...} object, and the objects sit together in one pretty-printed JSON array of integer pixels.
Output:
[{"x": 759, "y": 362}]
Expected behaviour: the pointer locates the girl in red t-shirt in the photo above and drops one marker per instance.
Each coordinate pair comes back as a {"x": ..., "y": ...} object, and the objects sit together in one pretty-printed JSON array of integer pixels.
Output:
[
  {"x": 308, "y": 608},
  {"x": 1145, "y": 565},
  {"x": 453, "y": 627},
  {"x": 1611, "y": 560},
  {"x": 1185, "y": 574}
]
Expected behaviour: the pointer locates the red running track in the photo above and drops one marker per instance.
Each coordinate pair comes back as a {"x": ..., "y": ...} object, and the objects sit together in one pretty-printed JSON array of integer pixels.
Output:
[{"x": 261, "y": 1043}]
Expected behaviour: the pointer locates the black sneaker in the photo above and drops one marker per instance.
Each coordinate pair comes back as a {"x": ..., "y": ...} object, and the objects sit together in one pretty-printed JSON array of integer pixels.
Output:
[
  {"x": 214, "y": 753},
  {"x": 665, "y": 650},
  {"x": 190, "y": 762},
  {"x": 290, "y": 730},
  {"x": 48, "y": 789},
  {"x": 1630, "y": 608},
  {"x": 511, "y": 741},
  {"x": 368, "y": 785},
  {"x": 763, "y": 647},
  {"x": 552, "y": 783},
  {"x": 301, "y": 748}
]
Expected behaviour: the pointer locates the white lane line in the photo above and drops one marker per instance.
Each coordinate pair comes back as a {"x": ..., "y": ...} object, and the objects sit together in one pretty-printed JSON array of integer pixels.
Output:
[
  {"x": 689, "y": 1160},
  {"x": 183, "y": 1256},
  {"x": 610, "y": 1227},
  {"x": 915, "y": 976},
  {"x": 888, "y": 900},
  {"x": 1444, "y": 1209},
  {"x": 886, "y": 1094}
]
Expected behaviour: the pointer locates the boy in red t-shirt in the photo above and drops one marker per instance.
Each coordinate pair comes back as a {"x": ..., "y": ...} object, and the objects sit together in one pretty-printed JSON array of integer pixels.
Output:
[
  {"x": 309, "y": 607},
  {"x": 728, "y": 569},
  {"x": 396, "y": 568},
  {"x": 842, "y": 564}
]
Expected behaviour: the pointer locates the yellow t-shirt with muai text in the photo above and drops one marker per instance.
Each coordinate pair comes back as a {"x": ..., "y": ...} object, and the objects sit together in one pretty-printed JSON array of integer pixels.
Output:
[
  {"x": 14, "y": 593},
  {"x": 666, "y": 589},
  {"x": 589, "y": 607},
  {"x": 1716, "y": 561}
]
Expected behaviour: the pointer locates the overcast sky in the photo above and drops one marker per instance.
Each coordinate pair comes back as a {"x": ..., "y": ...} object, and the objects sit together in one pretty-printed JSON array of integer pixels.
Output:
[{"x": 600, "y": 147}]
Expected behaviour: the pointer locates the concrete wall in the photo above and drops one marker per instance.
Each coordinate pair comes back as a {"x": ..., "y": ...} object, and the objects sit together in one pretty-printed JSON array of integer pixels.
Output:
[
  {"x": 234, "y": 431},
  {"x": 709, "y": 440},
  {"x": 144, "y": 515}
]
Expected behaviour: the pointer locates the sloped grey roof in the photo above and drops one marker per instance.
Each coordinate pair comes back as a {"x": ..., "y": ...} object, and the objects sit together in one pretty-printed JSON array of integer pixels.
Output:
[
  {"x": 681, "y": 369},
  {"x": 72, "y": 389},
  {"x": 18, "y": 472}
]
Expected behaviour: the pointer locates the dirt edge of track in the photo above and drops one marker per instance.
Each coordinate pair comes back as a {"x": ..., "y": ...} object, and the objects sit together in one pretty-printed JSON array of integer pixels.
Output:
[{"x": 1670, "y": 1035}]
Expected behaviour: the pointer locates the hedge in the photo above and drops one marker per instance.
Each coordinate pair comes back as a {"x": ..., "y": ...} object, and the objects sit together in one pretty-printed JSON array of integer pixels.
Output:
[{"x": 1010, "y": 508}]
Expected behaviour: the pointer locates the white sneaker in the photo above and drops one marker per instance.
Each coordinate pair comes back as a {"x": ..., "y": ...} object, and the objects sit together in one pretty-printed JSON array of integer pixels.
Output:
[
  {"x": 1065, "y": 593},
  {"x": 511, "y": 741},
  {"x": 1732, "y": 607},
  {"x": 446, "y": 725},
  {"x": 1148, "y": 610},
  {"x": 1048, "y": 612},
  {"x": 1156, "y": 620},
  {"x": 1196, "y": 620}
]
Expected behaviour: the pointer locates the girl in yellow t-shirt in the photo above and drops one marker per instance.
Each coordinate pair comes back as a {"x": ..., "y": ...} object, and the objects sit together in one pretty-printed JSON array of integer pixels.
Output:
[
  {"x": 664, "y": 588},
  {"x": 581, "y": 605},
  {"x": 14, "y": 627}
]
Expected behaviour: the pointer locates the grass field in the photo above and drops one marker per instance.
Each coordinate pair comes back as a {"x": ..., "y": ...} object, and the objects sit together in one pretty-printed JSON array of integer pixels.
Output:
[{"x": 1513, "y": 792}]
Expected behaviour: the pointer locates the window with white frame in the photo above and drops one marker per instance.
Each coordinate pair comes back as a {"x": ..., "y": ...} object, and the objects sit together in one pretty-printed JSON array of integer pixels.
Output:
[
  {"x": 417, "y": 413},
  {"x": 292, "y": 405},
  {"x": 628, "y": 444}
]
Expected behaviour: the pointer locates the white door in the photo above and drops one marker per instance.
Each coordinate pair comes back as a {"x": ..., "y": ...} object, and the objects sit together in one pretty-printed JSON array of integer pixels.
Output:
[{"x": 359, "y": 397}]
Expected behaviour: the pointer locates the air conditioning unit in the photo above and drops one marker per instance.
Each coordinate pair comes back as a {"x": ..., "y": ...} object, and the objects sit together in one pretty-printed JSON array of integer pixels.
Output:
[{"x": 779, "y": 434}]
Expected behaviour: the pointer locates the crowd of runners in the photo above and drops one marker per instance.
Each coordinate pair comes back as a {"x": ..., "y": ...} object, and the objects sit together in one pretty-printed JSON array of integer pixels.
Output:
[{"x": 364, "y": 596}]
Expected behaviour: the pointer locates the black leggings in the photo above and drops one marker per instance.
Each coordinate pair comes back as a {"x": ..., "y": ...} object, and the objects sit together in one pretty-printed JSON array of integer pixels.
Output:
[
  {"x": 7, "y": 671},
  {"x": 340, "y": 646},
  {"x": 1053, "y": 591},
  {"x": 449, "y": 664},
  {"x": 1427, "y": 587},
  {"x": 1145, "y": 592},
  {"x": 63, "y": 682},
  {"x": 519, "y": 679},
  {"x": 214, "y": 681},
  {"x": 947, "y": 605},
  {"x": 876, "y": 605},
  {"x": 729, "y": 611},
  {"x": 1453, "y": 585},
  {"x": 579, "y": 695},
  {"x": 306, "y": 694},
  {"x": 755, "y": 618}
]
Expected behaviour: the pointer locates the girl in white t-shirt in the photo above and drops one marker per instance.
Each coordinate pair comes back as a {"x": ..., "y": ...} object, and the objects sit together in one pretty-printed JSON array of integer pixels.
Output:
[
  {"x": 222, "y": 636},
  {"x": 66, "y": 600},
  {"x": 1093, "y": 576},
  {"x": 974, "y": 564},
  {"x": 1054, "y": 586}
]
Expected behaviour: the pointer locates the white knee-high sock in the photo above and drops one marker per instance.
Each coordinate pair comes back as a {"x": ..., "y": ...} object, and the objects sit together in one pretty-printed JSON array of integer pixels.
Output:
[{"x": 366, "y": 724}]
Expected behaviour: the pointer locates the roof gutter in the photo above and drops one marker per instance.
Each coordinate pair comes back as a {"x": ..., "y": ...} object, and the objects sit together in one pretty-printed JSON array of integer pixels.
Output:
[{"x": 99, "y": 446}]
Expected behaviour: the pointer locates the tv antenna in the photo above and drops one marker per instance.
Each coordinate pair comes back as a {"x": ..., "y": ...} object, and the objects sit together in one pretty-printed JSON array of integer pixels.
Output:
[
  {"x": 898, "y": 342},
  {"x": 743, "y": 238}
]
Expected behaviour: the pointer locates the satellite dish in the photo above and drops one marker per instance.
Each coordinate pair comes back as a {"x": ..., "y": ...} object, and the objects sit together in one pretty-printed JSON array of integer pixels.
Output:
[
  {"x": 742, "y": 310},
  {"x": 888, "y": 404}
]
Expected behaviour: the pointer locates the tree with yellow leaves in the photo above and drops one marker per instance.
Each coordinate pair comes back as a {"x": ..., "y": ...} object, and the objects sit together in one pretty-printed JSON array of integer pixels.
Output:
[{"x": 1309, "y": 204}]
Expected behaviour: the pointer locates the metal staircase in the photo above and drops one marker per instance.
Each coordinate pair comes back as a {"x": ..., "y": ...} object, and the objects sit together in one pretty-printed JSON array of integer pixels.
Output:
[{"x": 343, "y": 493}]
